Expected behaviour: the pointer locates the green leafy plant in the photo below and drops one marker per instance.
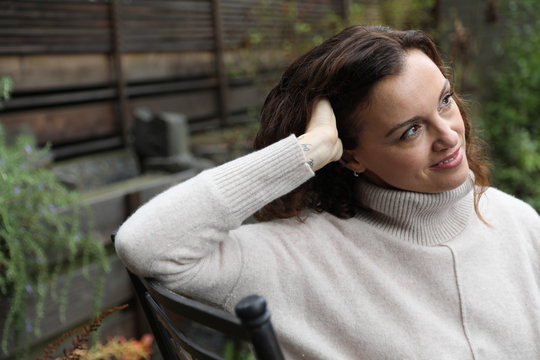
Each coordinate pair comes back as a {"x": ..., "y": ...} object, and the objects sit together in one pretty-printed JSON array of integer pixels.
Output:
[
  {"x": 41, "y": 236},
  {"x": 6, "y": 86},
  {"x": 509, "y": 118}
]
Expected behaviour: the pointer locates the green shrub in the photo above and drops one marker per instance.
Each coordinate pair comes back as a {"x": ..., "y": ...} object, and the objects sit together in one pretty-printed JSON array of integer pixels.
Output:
[
  {"x": 6, "y": 85},
  {"x": 41, "y": 235},
  {"x": 510, "y": 115}
]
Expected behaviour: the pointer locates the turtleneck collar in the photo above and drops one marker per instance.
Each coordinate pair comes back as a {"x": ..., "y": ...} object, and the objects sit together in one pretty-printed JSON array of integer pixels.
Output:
[{"x": 420, "y": 218}]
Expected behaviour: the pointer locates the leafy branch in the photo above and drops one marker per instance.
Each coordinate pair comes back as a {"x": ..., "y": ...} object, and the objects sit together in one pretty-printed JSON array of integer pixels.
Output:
[{"x": 42, "y": 236}]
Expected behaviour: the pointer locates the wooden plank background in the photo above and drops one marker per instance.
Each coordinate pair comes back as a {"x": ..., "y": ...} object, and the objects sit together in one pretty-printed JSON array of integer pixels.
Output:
[{"x": 69, "y": 91}]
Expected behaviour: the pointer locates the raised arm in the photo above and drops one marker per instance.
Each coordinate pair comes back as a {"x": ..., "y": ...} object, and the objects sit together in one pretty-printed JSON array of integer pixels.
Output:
[{"x": 183, "y": 235}]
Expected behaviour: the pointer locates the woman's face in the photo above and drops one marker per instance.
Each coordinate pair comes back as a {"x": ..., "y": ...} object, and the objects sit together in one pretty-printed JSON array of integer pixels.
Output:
[{"x": 413, "y": 136}]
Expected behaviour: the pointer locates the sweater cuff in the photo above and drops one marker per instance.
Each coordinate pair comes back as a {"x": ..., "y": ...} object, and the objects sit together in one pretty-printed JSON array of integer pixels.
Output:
[{"x": 247, "y": 184}]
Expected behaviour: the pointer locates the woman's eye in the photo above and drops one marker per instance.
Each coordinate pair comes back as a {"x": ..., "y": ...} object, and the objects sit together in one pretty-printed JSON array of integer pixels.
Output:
[
  {"x": 446, "y": 100},
  {"x": 410, "y": 132}
]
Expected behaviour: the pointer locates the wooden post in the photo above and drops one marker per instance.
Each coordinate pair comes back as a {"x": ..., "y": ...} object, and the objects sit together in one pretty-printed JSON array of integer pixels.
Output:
[{"x": 223, "y": 86}]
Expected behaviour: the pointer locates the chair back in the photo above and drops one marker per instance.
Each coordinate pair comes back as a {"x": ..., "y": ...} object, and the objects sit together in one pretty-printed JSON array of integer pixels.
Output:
[{"x": 251, "y": 324}]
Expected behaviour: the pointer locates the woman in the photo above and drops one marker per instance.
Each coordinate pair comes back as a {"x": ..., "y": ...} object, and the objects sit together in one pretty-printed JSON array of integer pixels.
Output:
[{"x": 382, "y": 238}]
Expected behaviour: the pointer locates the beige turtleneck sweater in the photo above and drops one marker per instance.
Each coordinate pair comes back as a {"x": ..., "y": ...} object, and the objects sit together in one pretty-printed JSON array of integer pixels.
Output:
[{"x": 416, "y": 277}]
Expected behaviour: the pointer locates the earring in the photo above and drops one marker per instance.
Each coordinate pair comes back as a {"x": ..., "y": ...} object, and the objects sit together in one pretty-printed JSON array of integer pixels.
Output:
[{"x": 355, "y": 174}]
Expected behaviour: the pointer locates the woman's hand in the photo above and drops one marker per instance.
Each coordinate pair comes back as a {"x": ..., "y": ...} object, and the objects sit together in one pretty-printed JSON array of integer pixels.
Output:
[{"x": 320, "y": 142}]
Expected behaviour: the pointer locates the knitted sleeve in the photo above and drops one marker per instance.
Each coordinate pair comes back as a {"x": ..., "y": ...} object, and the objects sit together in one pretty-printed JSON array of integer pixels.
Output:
[{"x": 181, "y": 236}]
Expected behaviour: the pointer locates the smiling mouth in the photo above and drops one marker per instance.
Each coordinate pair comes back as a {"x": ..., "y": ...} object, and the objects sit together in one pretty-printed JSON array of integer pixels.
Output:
[
  {"x": 447, "y": 160},
  {"x": 451, "y": 161}
]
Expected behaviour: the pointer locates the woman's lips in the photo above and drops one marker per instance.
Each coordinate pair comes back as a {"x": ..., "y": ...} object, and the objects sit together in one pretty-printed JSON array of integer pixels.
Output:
[{"x": 451, "y": 161}]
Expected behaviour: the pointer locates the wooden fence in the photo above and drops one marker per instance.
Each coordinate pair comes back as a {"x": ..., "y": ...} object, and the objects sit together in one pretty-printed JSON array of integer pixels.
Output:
[{"x": 80, "y": 67}]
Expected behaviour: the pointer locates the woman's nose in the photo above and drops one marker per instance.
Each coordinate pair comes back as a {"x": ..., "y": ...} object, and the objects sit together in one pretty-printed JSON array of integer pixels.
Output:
[{"x": 445, "y": 136}]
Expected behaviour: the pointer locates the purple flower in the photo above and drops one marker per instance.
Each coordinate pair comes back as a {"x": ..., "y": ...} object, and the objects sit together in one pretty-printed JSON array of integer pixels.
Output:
[
  {"x": 29, "y": 289},
  {"x": 17, "y": 190},
  {"x": 28, "y": 149},
  {"x": 28, "y": 325},
  {"x": 53, "y": 208}
]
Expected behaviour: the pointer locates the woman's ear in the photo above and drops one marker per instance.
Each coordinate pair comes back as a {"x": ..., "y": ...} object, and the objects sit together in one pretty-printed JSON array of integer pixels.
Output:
[{"x": 352, "y": 161}]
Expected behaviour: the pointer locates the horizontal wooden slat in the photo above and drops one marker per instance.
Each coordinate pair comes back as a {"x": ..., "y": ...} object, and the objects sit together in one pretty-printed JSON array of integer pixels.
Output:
[
  {"x": 38, "y": 101},
  {"x": 189, "y": 6},
  {"x": 159, "y": 23},
  {"x": 171, "y": 87},
  {"x": 54, "y": 10},
  {"x": 152, "y": 66},
  {"x": 39, "y": 21},
  {"x": 53, "y": 31},
  {"x": 107, "y": 93},
  {"x": 54, "y": 49},
  {"x": 149, "y": 12},
  {"x": 60, "y": 72},
  {"x": 168, "y": 35},
  {"x": 65, "y": 124},
  {"x": 169, "y": 46}
]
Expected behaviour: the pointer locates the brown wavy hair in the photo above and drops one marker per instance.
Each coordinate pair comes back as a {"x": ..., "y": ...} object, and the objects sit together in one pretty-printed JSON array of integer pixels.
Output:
[{"x": 344, "y": 69}]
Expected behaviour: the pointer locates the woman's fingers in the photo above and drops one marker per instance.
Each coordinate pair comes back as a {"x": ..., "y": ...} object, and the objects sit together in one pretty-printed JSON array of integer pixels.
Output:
[{"x": 322, "y": 115}]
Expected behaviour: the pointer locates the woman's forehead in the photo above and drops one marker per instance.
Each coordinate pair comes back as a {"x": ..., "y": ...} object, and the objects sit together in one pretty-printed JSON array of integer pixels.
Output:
[
  {"x": 418, "y": 74},
  {"x": 415, "y": 90}
]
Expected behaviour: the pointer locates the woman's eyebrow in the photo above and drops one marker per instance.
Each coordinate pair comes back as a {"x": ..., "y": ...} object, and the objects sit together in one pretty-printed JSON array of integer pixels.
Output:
[
  {"x": 417, "y": 117},
  {"x": 403, "y": 124}
]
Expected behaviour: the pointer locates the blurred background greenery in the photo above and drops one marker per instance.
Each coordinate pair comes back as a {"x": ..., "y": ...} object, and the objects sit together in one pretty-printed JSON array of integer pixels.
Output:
[{"x": 510, "y": 104}]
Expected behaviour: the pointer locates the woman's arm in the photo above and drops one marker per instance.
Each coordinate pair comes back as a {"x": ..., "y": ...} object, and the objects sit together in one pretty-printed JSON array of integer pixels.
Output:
[{"x": 180, "y": 235}]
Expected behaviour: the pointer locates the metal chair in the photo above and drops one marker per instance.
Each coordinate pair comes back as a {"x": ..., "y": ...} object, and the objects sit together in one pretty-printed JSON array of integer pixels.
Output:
[{"x": 252, "y": 323}]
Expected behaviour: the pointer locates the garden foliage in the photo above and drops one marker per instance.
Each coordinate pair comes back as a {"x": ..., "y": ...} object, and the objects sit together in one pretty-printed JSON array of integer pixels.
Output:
[
  {"x": 510, "y": 114},
  {"x": 6, "y": 85},
  {"x": 42, "y": 236}
]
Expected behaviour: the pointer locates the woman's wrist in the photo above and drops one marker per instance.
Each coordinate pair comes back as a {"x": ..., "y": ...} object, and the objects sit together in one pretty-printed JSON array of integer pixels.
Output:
[
  {"x": 316, "y": 152},
  {"x": 320, "y": 143}
]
